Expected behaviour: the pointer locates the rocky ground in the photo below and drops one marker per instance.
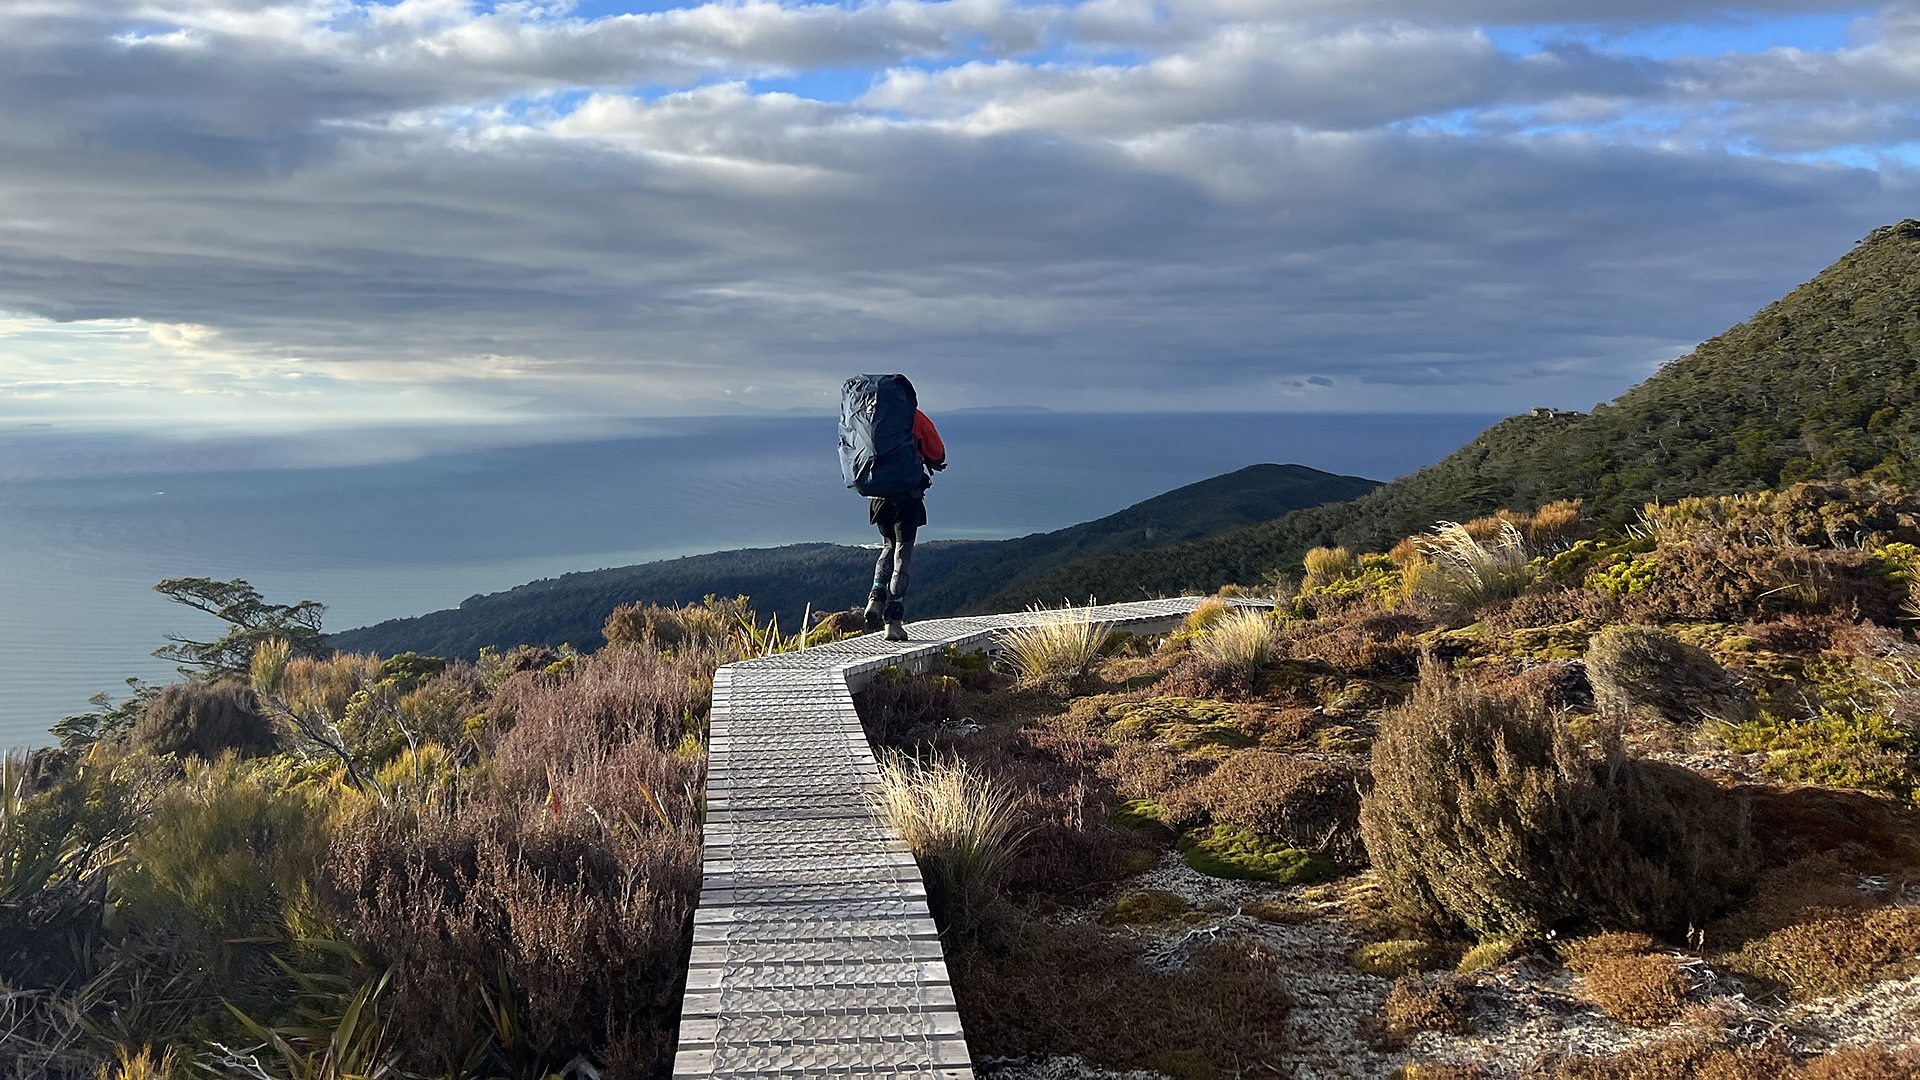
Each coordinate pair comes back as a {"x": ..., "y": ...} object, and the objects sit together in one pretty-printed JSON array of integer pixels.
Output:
[{"x": 1524, "y": 1012}]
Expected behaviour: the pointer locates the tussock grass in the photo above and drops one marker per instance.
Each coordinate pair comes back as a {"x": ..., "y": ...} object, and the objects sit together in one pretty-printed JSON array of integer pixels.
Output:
[
  {"x": 1056, "y": 649},
  {"x": 1324, "y": 564},
  {"x": 1471, "y": 572},
  {"x": 1241, "y": 642},
  {"x": 960, "y": 823}
]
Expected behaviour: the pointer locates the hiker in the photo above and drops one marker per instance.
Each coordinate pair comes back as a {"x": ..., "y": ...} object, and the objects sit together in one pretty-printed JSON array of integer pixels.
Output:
[{"x": 888, "y": 452}]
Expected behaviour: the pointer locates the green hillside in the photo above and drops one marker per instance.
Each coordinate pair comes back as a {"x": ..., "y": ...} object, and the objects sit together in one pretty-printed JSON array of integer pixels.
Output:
[
  {"x": 948, "y": 577},
  {"x": 1822, "y": 384}
]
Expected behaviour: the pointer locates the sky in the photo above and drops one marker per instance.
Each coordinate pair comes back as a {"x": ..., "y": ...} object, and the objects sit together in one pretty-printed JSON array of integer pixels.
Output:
[{"x": 335, "y": 213}]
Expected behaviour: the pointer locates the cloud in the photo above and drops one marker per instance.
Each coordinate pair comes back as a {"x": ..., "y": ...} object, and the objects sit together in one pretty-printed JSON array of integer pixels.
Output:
[{"x": 457, "y": 211}]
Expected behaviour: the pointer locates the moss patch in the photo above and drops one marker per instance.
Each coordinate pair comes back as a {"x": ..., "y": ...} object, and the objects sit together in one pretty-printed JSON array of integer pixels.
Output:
[
  {"x": 1182, "y": 723},
  {"x": 1490, "y": 953},
  {"x": 1229, "y": 851},
  {"x": 1141, "y": 815},
  {"x": 1143, "y": 906},
  {"x": 1392, "y": 959}
]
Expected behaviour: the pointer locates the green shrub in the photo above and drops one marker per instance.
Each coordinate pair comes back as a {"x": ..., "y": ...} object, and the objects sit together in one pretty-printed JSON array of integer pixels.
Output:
[
  {"x": 227, "y": 852},
  {"x": 204, "y": 720},
  {"x": 1865, "y": 750},
  {"x": 1487, "y": 813},
  {"x": 1640, "y": 671},
  {"x": 1229, "y": 851},
  {"x": 1488, "y": 954},
  {"x": 1625, "y": 577}
]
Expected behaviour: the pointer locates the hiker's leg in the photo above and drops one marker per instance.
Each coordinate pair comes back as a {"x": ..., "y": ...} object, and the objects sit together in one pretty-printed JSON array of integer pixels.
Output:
[
  {"x": 903, "y": 538},
  {"x": 883, "y": 567},
  {"x": 882, "y": 571}
]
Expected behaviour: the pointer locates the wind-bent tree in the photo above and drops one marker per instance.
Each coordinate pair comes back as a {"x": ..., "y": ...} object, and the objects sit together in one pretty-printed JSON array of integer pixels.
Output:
[{"x": 250, "y": 620}]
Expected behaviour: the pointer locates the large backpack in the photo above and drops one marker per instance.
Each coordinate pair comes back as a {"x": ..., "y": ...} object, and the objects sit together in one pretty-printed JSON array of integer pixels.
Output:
[{"x": 878, "y": 455}]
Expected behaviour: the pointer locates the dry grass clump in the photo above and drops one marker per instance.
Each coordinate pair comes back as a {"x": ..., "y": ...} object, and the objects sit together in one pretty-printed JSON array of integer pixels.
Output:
[
  {"x": 1300, "y": 801},
  {"x": 1239, "y": 644},
  {"x": 1582, "y": 953},
  {"x": 1488, "y": 813},
  {"x": 1470, "y": 572},
  {"x": 960, "y": 824},
  {"x": 1637, "y": 671},
  {"x": 1428, "y": 1001},
  {"x": 1639, "y": 989},
  {"x": 1055, "y": 651},
  {"x": 1325, "y": 564},
  {"x": 203, "y": 720},
  {"x": 1836, "y": 954}
]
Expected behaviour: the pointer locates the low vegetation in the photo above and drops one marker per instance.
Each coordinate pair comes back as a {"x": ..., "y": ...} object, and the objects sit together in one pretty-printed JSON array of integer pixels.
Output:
[
  {"x": 1580, "y": 773},
  {"x": 295, "y": 864}
]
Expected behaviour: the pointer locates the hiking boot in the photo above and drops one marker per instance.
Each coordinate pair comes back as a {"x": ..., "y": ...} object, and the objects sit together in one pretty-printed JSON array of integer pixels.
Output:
[
  {"x": 876, "y": 607},
  {"x": 895, "y": 612}
]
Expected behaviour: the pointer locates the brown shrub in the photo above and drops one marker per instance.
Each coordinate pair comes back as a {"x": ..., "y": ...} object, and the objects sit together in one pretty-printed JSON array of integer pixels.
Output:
[
  {"x": 1428, "y": 1001},
  {"x": 1835, "y": 954},
  {"x": 1641, "y": 990},
  {"x": 701, "y": 627},
  {"x": 1637, "y": 671},
  {"x": 897, "y": 703},
  {"x": 1804, "y": 635},
  {"x": 1582, "y": 953},
  {"x": 1864, "y": 1063},
  {"x": 1735, "y": 583},
  {"x": 1711, "y": 1057},
  {"x": 1067, "y": 841},
  {"x": 613, "y": 696},
  {"x": 202, "y": 719},
  {"x": 1147, "y": 771},
  {"x": 1487, "y": 813},
  {"x": 1550, "y": 605},
  {"x": 1690, "y": 1057},
  {"x": 1035, "y": 987},
  {"x": 1357, "y": 641},
  {"x": 570, "y": 871},
  {"x": 1300, "y": 801}
]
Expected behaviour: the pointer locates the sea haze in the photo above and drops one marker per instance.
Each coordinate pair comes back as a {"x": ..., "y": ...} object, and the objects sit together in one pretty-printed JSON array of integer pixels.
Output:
[{"x": 380, "y": 524}]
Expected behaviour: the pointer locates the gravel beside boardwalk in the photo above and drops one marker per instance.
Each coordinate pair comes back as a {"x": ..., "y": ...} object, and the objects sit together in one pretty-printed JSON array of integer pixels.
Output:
[{"x": 813, "y": 949}]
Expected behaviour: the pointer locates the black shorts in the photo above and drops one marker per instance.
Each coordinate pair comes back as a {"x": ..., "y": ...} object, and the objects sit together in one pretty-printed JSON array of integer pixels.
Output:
[{"x": 892, "y": 513}]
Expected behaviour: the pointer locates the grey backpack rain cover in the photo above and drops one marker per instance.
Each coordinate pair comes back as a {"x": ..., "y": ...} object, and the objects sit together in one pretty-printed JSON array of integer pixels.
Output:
[{"x": 878, "y": 457}]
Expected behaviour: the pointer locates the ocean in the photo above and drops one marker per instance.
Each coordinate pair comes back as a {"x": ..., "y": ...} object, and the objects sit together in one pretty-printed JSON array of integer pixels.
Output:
[{"x": 390, "y": 522}]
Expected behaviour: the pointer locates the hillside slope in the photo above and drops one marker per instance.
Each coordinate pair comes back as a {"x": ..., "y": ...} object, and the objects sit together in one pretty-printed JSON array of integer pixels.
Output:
[
  {"x": 1823, "y": 383},
  {"x": 948, "y": 577}
]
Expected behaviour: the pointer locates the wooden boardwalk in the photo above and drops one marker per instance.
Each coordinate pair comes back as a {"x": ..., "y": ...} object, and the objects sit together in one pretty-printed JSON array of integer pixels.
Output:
[{"x": 813, "y": 950}]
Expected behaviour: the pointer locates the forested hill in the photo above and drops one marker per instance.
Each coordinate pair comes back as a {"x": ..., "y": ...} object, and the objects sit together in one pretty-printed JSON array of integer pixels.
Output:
[
  {"x": 948, "y": 577},
  {"x": 1821, "y": 384}
]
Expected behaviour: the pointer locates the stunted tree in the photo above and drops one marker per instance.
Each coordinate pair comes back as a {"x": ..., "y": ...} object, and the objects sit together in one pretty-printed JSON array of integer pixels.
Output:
[{"x": 250, "y": 621}]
